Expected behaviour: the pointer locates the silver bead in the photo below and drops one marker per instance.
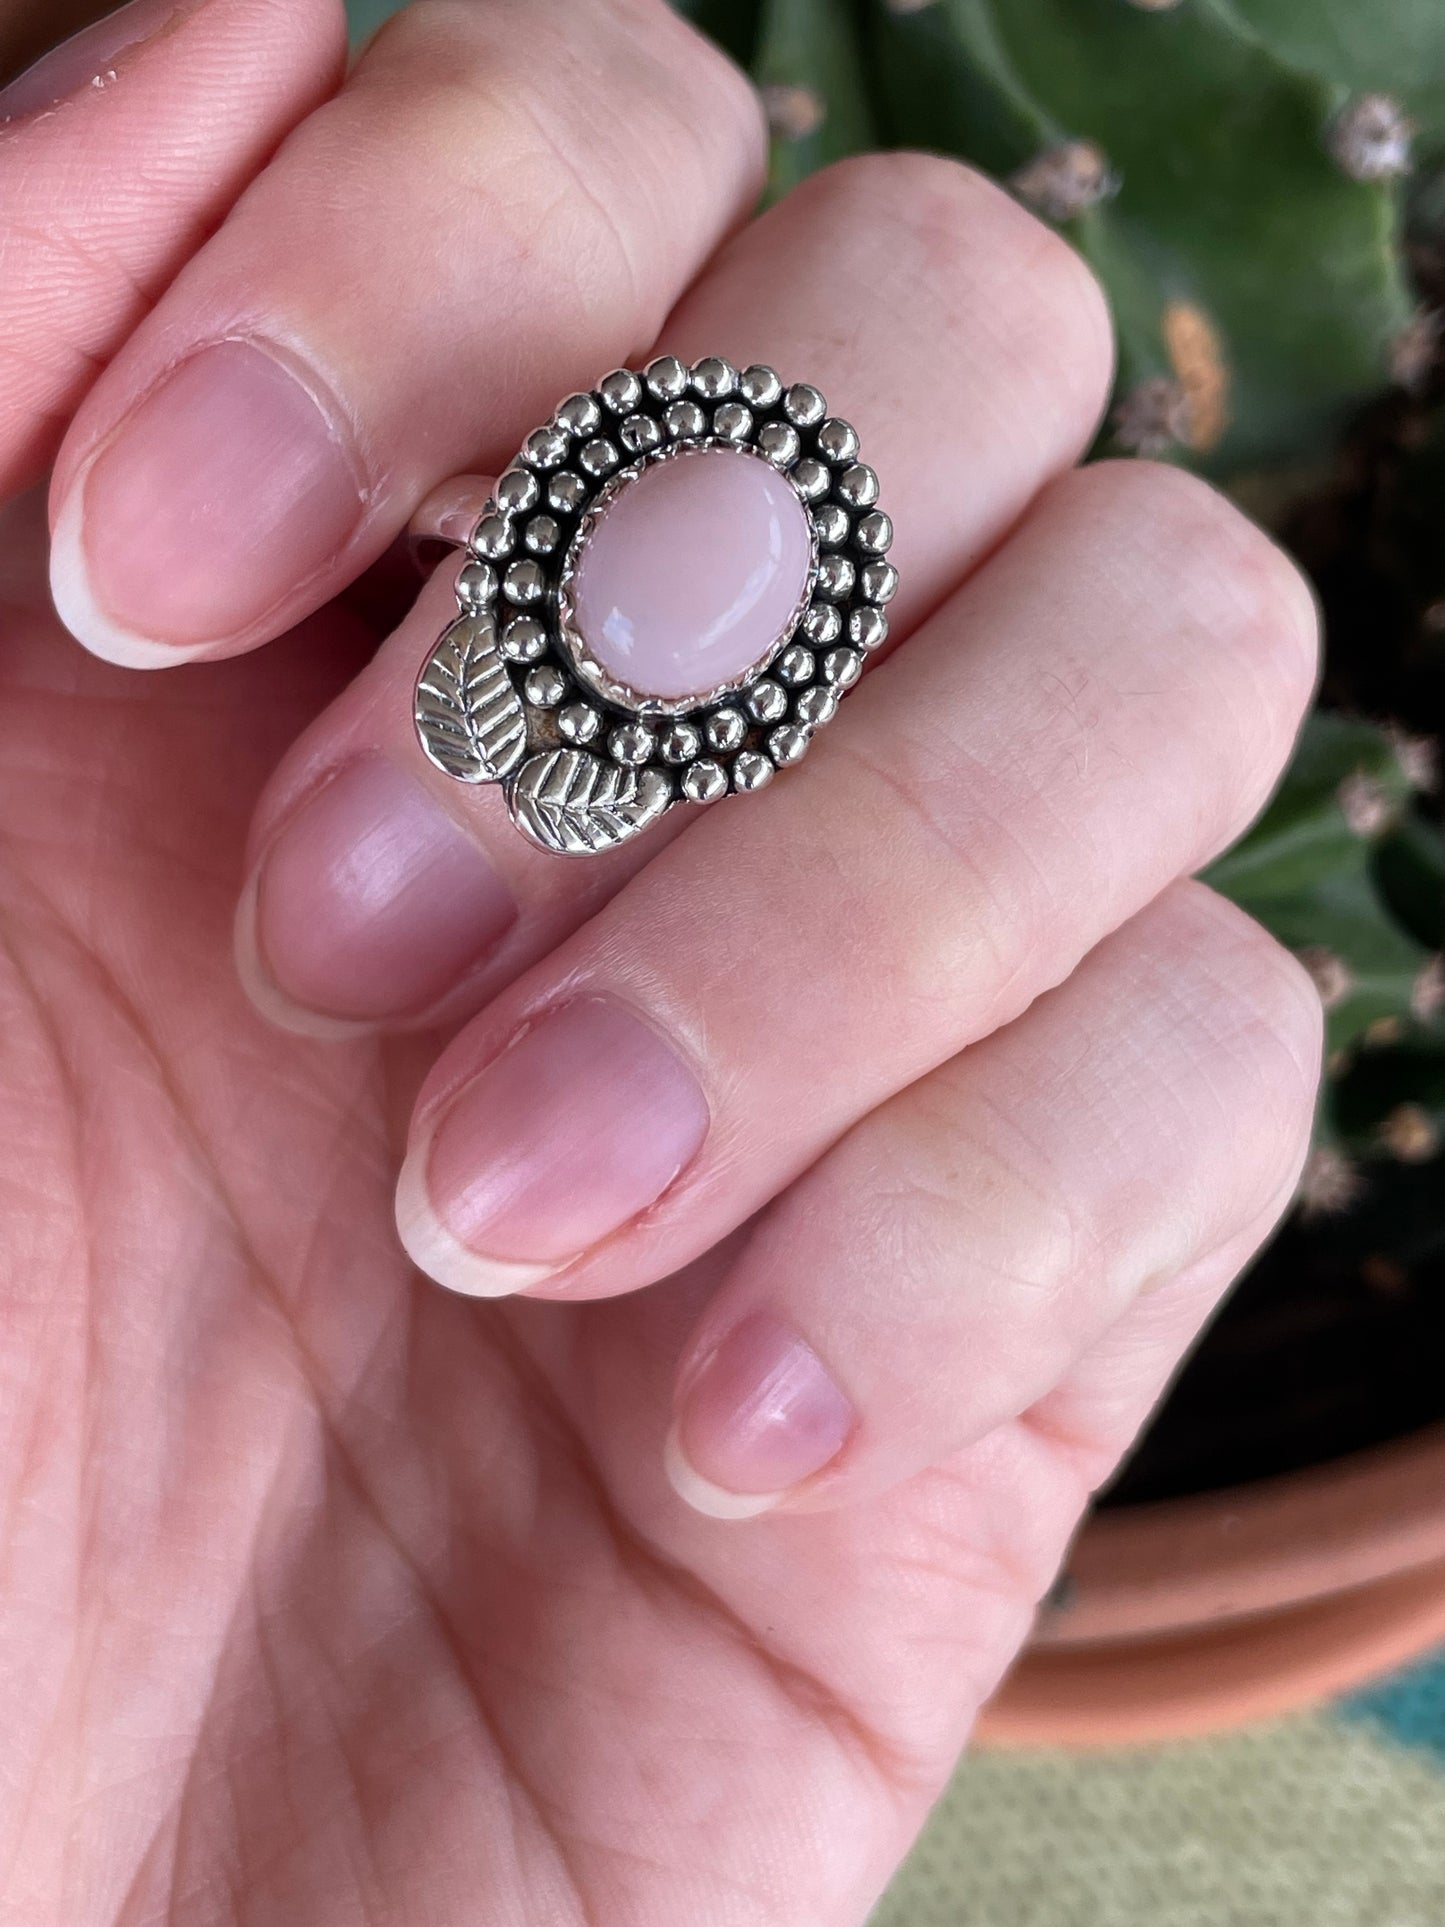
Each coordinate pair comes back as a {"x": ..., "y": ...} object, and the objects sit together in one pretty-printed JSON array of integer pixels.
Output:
[
  {"x": 541, "y": 535},
  {"x": 545, "y": 448},
  {"x": 838, "y": 440},
  {"x": 759, "y": 386},
  {"x": 523, "y": 639},
  {"x": 713, "y": 378},
  {"x": 831, "y": 522},
  {"x": 835, "y": 577},
  {"x": 733, "y": 422},
  {"x": 704, "y": 782},
  {"x": 874, "y": 533},
  {"x": 578, "y": 722},
  {"x": 725, "y": 729},
  {"x": 494, "y": 537},
  {"x": 639, "y": 433},
  {"x": 867, "y": 628},
  {"x": 879, "y": 581},
  {"x": 631, "y": 743},
  {"x": 476, "y": 585},
  {"x": 803, "y": 405},
  {"x": 684, "y": 421},
  {"x": 822, "y": 624},
  {"x": 788, "y": 744},
  {"x": 517, "y": 491},
  {"x": 600, "y": 457},
  {"x": 768, "y": 701},
  {"x": 810, "y": 479},
  {"x": 779, "y": 443},
  {"x": 679, "y": 743},
  {"x": 566, "y": 492},
  {"x": 524, "y": 583},
  {"x": 579, "y": 414},
  {"x": 621, "y": 390},
  {"x": 666, "y": 377},
  {"x": 751, "y": 770},
  {"x": 857, "y": 486},
  {"x": 842, "y": 667},
  {"x": 545, "y": 685},
  {"x": 815, "y": 706},
  {"x": 795, "y": 665}
]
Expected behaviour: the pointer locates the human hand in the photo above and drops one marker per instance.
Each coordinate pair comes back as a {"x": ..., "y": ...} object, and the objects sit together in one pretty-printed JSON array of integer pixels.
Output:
[{"x": 886, "y": 1135}]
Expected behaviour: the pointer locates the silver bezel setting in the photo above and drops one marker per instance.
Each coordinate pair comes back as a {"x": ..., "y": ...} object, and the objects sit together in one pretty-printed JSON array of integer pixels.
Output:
[{"x": 510, "y": 694}]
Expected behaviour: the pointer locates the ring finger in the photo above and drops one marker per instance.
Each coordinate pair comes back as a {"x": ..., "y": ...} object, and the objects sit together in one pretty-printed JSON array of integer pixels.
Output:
[{"x": 382, "y": 888}]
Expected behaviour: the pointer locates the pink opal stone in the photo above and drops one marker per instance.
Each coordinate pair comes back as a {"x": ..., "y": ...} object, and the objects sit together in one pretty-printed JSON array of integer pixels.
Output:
[{"x": 692, "y": 572}]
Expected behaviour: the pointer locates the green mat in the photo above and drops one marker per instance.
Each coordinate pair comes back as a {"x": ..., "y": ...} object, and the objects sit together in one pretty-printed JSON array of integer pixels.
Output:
[{"x": 1328, "y": 1819}]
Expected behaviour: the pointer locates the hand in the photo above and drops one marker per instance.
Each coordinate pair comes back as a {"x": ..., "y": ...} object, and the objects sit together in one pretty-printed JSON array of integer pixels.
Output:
[{"x": 887, "y": 1135}]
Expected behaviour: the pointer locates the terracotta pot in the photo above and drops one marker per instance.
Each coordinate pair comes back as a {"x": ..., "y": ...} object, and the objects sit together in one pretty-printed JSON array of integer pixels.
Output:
[{"x": 1197, "y": 1614}]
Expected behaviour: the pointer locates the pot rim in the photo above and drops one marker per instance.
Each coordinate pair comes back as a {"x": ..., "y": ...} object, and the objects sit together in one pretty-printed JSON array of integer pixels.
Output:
[{"x": 1218, "y": 1557}]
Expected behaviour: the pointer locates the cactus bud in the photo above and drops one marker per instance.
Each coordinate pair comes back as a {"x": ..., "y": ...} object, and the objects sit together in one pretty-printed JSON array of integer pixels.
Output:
[
  {"x": 1370, "y": 138},
  {"x": 1062, "y": 182},
  {"x": 1329, "y": 1183},
  {"x": 1418, "y": 758},
  {"x": 908, "y": 6},
  {"x": 1367, "y": 809},
  {"x": 1427, "y": 993},
  {"x": 1382, "y": 1031},
  {"x": 1409, "y": 1134},
  {"x": 1329, "y": 973},
  {"x": 1153, "y": 417},
  {"x": 1412, "y": 352},
  {"x": 793, "y": 112},
  {"x": 1385, "y": 1276}
]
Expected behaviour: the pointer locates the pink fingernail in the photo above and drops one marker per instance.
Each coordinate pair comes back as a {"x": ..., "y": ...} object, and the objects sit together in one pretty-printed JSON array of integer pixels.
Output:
[
  {"x": 582, "y": 1123},
  {"x": 85, "y": 59},
  {"x": 758, "y": 1417},
  {"x": 226, "y": 489},
  {"x": 370, "y": 903}
]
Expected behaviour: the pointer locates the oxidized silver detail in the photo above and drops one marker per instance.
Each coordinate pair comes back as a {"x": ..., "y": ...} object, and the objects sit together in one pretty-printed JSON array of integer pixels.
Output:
[{"x": 510, "y": 694}]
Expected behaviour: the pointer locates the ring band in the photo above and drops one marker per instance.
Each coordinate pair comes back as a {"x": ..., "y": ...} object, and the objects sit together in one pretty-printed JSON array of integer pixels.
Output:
[{"x": 664, "y": 597}]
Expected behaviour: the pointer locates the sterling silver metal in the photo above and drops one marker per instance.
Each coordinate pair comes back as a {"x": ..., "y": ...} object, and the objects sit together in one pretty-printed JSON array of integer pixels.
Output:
[{"x": 509, "y": 695}]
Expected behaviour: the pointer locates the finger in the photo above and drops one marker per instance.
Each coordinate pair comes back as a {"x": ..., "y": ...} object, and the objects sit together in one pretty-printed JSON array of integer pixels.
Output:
[
  {"x": 119, "y": 151},
  {"x": 505, "y": 196},
  {"x": 951, "y": 1260},
  {"x": 1096, "y": 712},
  {"x": 996, "y": 299}
]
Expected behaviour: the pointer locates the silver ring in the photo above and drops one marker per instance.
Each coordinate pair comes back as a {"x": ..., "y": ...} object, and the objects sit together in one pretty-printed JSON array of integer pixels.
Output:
[{"x": 518, "y": 691}]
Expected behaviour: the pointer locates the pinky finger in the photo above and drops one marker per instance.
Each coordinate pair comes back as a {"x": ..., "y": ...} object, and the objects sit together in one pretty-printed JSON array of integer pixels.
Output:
[{"x": 949, "y": 1265}]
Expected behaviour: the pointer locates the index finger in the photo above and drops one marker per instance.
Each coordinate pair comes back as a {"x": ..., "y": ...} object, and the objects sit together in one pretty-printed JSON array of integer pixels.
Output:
[
  {"x": 118, "y": 150},
  {"x": 504, "y": 198}
]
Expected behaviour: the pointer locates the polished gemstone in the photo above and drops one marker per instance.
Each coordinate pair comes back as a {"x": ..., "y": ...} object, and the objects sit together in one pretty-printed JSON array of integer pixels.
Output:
[{"x": 692, "y": 573}]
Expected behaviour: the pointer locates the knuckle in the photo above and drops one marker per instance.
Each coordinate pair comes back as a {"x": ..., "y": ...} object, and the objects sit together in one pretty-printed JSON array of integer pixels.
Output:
[
  {"x": 1232, "y": 572},
  {"x": 974, "y": 248},
  {"x": 630, "y": 93},
  {"x": 1264, "y": 1000},
  {"x": 1235, "y": 588}
]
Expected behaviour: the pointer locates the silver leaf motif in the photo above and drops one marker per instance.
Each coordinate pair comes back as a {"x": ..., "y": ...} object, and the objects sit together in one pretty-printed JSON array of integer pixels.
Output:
[
  {"x": 575, "y": 804},
  {"x": 469, "y": 718}
]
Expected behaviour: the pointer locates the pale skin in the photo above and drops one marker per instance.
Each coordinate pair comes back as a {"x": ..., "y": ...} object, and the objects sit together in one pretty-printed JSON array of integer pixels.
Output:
[{"x": 330, "y": 1595}]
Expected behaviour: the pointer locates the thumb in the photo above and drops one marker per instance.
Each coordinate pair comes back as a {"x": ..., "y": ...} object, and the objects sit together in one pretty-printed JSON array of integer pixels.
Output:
[{"x": 119, "y": 151}]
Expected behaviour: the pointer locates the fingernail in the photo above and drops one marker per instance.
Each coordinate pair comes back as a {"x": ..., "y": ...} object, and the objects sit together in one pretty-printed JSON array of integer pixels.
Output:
[
  {"x": 369, "y": 904},
  {"x": 579, "y": 1125},
  {"x": 758, "y": 1417},
  {"x": 226, "y": 489},
  {"x": 85, "y": 59}
]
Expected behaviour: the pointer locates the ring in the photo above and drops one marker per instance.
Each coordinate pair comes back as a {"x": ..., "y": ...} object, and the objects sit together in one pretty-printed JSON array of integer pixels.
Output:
[{"x": 666, "y": 594}]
